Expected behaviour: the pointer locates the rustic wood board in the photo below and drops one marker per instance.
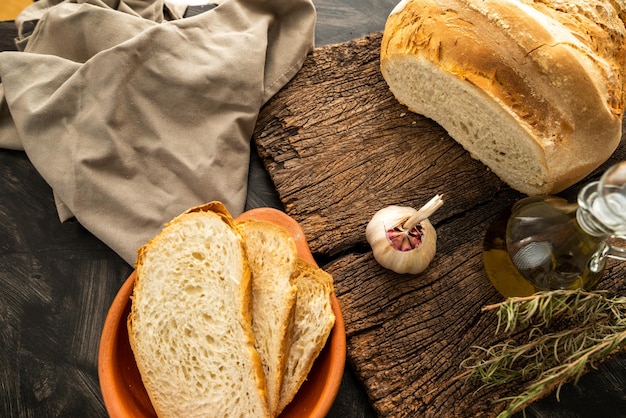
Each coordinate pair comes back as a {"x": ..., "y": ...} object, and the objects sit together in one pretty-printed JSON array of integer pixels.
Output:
[{"x": 338, "y": 147}]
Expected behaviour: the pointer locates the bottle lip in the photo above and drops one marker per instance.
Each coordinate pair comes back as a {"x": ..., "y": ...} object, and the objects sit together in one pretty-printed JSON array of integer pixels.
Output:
[{"x": 601, "y": 204}]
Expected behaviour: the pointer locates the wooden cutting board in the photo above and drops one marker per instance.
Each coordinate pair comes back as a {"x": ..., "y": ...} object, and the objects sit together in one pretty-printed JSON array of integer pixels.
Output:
[{"x": 338, "y": 147}]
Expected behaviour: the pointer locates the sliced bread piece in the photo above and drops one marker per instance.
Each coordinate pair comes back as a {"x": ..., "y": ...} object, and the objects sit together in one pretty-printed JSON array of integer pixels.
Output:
[
  {"x": 313, "y": 323},
  {"x": 272, "y": 257},
  {"x": 190, "y": 326}
]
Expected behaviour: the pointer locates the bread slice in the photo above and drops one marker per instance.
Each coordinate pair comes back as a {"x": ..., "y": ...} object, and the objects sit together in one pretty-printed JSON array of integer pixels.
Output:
[
  {"x": 314, "y": 321},
  {"x": 190, "y": 326},
  {"x": 272, "y": 257},
  {"x": 534, "y": 90}
]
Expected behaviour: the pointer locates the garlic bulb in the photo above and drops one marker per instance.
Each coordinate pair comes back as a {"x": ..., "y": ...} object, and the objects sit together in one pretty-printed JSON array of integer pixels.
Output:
[{"x": 402, "y": 238}]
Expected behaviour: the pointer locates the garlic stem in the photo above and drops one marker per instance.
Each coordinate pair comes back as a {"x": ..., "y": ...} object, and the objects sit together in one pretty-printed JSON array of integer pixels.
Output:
[{"x": 424, "y": 213}]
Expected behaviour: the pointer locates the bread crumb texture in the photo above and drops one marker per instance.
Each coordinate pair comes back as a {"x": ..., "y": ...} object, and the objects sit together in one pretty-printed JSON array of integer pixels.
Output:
[
  {"x": 189, "y": 324},
  {"x": 272, "y": 254}
]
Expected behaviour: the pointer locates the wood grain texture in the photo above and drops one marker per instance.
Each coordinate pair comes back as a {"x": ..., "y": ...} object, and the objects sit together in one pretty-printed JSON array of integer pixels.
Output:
[
  {"x": 339, "y": 147},
  {"x": 8, "y": 32},
  {"x": 55, "y": 294}
]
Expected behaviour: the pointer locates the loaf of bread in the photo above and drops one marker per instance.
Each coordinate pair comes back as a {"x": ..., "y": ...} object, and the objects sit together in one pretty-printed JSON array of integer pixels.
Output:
[
  {"x": 272, "y": 257},
  {"x": 314, "y": 320},
  {"x": 190, "y": 325},
  {"x": 533, "y": 89}
]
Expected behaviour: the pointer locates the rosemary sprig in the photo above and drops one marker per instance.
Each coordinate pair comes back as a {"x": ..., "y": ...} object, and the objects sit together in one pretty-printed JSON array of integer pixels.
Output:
[{"x": 568, "y": 331}]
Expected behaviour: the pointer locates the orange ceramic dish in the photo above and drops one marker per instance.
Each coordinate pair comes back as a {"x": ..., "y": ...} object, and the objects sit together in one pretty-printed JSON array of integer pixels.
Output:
[{"x": 123, "y": 391}]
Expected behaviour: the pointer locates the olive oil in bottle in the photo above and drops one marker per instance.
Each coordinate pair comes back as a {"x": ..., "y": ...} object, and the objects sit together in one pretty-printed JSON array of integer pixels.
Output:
[{"x": 547, "y": 243}]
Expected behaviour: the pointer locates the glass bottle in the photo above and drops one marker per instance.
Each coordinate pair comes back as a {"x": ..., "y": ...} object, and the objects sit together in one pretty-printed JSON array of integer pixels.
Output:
[{"x": 548, "y": 243}]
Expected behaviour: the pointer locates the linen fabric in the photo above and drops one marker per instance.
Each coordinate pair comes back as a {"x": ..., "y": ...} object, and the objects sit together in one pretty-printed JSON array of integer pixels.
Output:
[{"x": 133, "y": 114}]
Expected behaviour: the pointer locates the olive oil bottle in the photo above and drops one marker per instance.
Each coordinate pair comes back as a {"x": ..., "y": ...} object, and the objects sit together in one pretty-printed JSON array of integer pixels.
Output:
[{"x": 548, "y": 243}]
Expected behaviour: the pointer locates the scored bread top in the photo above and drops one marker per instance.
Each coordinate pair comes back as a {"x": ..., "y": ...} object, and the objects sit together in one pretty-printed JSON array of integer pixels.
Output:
[
  {"x": 190, "y": 321},
  {"x": 549, "y": 75}
]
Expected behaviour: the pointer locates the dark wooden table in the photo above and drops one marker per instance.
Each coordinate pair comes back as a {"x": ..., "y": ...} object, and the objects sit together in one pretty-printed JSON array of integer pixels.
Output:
[{"x": 57, "y": 282}]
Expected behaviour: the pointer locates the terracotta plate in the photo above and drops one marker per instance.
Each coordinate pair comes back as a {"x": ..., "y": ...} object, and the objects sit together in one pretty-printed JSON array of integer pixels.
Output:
[{"x": 123, "y": 391}]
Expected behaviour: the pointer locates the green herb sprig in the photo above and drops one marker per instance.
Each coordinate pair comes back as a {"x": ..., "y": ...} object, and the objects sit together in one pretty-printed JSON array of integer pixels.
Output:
[{"x": 567, "y": 333}]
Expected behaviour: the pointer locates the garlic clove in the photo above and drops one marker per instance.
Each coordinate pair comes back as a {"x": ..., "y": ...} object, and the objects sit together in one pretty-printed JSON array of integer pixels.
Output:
[{"x": 403, "y": 239}]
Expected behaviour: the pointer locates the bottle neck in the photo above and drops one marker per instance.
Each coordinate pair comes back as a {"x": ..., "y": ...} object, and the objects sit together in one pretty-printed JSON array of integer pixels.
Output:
[{"x": 591, "y": 225}]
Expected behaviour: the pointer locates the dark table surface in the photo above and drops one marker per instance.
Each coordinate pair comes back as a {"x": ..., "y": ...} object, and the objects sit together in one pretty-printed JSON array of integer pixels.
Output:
[{"x": 57, "y": 282}]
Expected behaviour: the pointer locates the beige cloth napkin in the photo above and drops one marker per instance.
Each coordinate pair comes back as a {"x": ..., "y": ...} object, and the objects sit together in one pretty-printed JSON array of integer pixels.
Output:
[{"x": 133, "y": 114}]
